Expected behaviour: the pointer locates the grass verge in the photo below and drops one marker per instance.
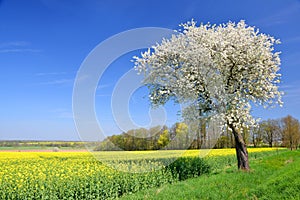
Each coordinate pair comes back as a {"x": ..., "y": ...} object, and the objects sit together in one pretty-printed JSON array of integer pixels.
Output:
[{"x": 274, "y": 176}]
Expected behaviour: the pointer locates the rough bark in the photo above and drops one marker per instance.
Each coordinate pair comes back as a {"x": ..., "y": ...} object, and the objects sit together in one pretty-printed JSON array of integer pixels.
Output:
[
  {"x": 241, "y": 150},
  {"x": 198, "y": 139},
  {"x": 271, "y": 144},
  {"x": 203, "y": 134}
]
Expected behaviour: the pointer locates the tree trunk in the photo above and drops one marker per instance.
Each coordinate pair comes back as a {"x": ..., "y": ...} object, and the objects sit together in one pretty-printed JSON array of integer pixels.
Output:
[
  {"x": 253, "y": 140},
  {"x": 198, "y": 138},
  {"x": 241, "y": 150},
  {"x": 203, "y": 133}
]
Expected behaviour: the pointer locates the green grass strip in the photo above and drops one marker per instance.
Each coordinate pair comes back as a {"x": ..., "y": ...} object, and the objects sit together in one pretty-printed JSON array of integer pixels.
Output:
[{"x": 275, "y": 176}]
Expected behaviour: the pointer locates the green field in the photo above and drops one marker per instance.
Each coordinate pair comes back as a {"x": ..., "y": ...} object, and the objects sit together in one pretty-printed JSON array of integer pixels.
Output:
[
  {"x": 272, "y": 177},
  {"x": 79, "y": 175}
]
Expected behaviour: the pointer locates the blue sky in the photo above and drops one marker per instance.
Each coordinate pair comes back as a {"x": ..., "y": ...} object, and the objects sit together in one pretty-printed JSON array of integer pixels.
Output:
[{"x": 44, "y": 42}]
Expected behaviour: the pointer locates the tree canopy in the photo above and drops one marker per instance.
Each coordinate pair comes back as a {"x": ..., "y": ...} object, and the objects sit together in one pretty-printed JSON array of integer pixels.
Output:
[{"x": 214, "y": 67}]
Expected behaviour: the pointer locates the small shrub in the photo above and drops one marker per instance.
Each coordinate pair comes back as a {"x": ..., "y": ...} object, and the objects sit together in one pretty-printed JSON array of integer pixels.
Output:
[{"x": 188, "y": 167}]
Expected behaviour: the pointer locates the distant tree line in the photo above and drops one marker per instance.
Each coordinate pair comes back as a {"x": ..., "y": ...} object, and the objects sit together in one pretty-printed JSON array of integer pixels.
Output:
[
  {"x": 21, "y": 143},
  {"x": 284, "y": 132},
  {"x": 281, "y": 132}
]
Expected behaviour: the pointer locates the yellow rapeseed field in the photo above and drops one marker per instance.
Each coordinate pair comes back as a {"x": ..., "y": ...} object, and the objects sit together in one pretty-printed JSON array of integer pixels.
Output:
[{"x": 85, "y": 175}]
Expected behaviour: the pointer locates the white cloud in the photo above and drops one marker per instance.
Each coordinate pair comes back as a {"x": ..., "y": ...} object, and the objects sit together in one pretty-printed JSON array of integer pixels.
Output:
[
  {"x": 19, "y": 50},
  {"x": 14, "y": 44},
  {"x": 50, "y": 73},
  {"x": 291, "y": 93},
  {"x": 291, "y": 59},
  {"x": 56, "y": 78},
  {"x": 103, "y": 95},
  {"x": 281, "y": 17},
  {"x": 62, "y": 113},
  {"x": 103, "y": 86},
  {"x": 291, "y": 40},
  {"x": 59, "y": 82},
  {"x": 17, "y": 47}
]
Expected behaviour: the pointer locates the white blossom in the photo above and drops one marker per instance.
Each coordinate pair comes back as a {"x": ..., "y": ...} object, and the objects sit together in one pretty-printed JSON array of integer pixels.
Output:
[{"x": 217, "y": 69}]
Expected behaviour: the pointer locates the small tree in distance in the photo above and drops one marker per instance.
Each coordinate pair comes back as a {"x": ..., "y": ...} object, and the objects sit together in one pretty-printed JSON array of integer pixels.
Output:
[
  {"x": 271, "y": 131},
  {"x": 291, "y": 132},
  {"x": 216, "y": 71}
]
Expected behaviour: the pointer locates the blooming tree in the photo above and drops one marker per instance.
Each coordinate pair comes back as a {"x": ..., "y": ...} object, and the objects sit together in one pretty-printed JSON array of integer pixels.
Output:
[{"x": 217, "y": 71}]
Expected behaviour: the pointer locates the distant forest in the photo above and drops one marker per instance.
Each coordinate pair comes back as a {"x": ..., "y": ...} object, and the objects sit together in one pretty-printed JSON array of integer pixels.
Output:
[
  {"x": 43, "y": 144},
  {"x": 284, "y": 132}
]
